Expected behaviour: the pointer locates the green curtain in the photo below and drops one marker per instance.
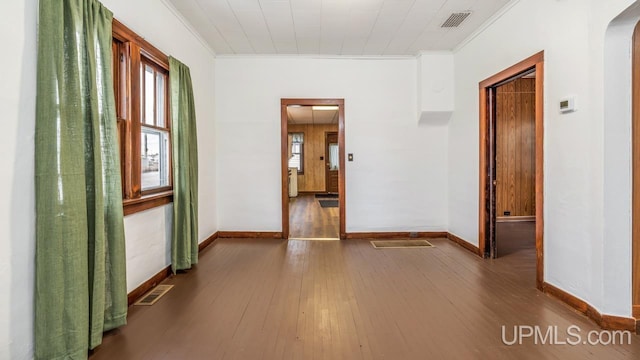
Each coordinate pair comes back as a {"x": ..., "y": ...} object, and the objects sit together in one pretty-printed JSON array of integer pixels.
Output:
[
  {"x": 184, "y": 244},
  {"x": 80, "y": 284}
]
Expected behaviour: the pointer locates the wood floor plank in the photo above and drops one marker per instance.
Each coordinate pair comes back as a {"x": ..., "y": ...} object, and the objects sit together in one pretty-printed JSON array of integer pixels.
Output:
[
  {"x": 275, "y": 299},
  {"x": 307, "y": 219}
]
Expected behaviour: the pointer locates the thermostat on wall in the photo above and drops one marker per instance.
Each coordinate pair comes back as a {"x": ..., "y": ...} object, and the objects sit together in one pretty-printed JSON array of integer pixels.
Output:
[{"x": 568, "y": 104}]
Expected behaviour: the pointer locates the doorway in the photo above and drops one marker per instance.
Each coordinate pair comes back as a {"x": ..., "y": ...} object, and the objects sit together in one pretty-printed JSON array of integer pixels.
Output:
[
  {"x": 313, "y": 162},
  {"x": 498, "y": 199},
  {"x": 515, "y": 165}
]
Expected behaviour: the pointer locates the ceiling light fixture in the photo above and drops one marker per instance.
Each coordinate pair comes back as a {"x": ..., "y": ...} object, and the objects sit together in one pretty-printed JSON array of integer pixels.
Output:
[{"x": 325, "y": 107}]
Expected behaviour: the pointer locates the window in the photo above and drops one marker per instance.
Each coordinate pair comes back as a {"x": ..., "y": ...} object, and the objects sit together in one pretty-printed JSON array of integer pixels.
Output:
[
  {"x": 141, "y": 84},
  {"x": 154, "y": 134},
  {"x": 334, "y": 162},
  {"x": 297, "y": 152}
]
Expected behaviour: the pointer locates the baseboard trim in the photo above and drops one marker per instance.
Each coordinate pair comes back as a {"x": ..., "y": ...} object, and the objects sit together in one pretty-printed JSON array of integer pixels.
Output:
[
  {"x": 465, "y": 244},
  {"x": 148, "y": 285},
  {"x": 515, "y": 218},
  {"x": 416, "y": 235},
  {"x": 138, "y": 292},
  {"x": 249, "y": 235},
  {"x": 397, "y": 235},
  {"x": 607, "y": 322},
  {"x": 203, "y": 245}
]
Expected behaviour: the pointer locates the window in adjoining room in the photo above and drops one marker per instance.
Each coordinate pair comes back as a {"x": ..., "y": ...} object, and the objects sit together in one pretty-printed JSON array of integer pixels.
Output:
[{"x": 297, "y": 152}]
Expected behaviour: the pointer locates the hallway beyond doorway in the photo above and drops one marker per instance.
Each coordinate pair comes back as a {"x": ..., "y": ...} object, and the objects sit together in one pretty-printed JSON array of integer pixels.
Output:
[
  {"x": 310, "y": 220},
  {"x": 516, "y": 237}
]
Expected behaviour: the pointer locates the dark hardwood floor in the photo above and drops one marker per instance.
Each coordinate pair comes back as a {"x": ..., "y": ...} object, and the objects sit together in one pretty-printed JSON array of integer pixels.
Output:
[
  {"x": 307, "y": 219},
  {"x": 275, "y": 299},
  {"x": 514, "y": 237}
]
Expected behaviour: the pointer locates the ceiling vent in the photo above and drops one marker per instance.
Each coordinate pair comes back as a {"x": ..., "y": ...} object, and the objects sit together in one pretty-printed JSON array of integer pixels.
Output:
[{"x": 456, "y": 19}]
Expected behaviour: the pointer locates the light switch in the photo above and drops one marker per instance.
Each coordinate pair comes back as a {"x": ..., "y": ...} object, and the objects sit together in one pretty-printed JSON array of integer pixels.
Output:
[{"x": 350, "y": 157}]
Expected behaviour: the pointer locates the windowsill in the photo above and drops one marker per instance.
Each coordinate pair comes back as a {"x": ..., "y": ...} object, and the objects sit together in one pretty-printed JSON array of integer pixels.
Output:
[{"x": 132, "y": 206}]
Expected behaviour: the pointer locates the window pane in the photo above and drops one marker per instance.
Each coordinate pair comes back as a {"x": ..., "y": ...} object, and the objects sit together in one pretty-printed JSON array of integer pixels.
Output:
[
  {"x": 160, "y": 99},
  {"x": 333, "y": 156},
  {"x": 297, "y": 138},
  {"x": 149, "y": 95},
  {"x": 294, "y": 162},
  {"x": 155, "y": 158}
]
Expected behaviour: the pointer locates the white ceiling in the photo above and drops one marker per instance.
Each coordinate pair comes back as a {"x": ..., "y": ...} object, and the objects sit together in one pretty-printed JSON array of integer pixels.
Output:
[
  {"x": 333, "y": 27},
  {"x": 306, "y": 115}
]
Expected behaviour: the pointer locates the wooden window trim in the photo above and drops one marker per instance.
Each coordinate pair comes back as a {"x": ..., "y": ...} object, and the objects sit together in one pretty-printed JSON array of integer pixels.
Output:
[
  {"x": 132, "y": 206},
  {"x": 135, "y": 51},
  {"x": 124, "y": 34}
]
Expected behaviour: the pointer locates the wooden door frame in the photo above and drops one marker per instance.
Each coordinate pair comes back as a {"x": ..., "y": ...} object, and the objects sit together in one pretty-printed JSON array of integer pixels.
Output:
[
  {"x": 285, "y": 152},
  {"x": 326, "y": 167},
  {"x": 635, "y": 187},
  {"x": 486, "y": 141}
]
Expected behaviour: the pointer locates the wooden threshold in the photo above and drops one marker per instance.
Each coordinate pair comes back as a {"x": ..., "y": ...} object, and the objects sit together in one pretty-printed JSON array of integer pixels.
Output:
[
  {"x": 515, "y": 218},
  {"x": 143, "y": 288},
  {"x": 607, "y": 322},
  {"x": 249, "y": 235}
]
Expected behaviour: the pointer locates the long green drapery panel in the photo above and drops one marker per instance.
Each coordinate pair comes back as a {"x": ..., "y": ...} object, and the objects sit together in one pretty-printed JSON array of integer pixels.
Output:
[
  {"x": 80, "y": 285},
  {"x": 184, "y": 244}
]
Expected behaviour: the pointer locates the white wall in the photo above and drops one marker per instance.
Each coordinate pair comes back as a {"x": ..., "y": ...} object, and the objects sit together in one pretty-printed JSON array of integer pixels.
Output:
[
  {"x": 397, "y": 181},
  {"x": 17, "y": 213},
  {"x": 617, "y": 154},
  {"x": 572, "y": 34},
  {"x": 146, "y": 232},
  {"x": 436, "y": 93}
]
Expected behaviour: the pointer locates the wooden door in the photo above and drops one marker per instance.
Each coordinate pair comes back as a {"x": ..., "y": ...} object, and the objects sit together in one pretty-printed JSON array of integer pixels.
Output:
[
  {"x": 515, "y": 149},
  {"x": 332, "y": 162}
]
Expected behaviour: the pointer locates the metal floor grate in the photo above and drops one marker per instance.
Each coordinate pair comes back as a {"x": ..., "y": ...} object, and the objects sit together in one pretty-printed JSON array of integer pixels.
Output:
[
  {"x": 154, "y": 295},
  {"x": 400, "y": 244}
]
